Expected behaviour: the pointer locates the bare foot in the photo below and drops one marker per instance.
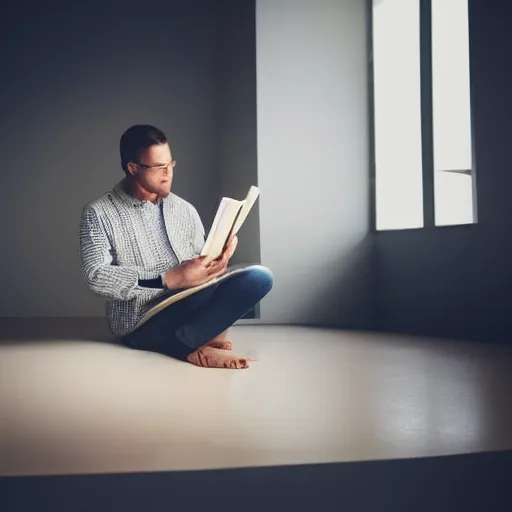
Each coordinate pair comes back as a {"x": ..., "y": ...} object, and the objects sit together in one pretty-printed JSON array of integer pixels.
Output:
[
  {"x": 210, "y": 357},
  {"x": 222, "y": 344}
]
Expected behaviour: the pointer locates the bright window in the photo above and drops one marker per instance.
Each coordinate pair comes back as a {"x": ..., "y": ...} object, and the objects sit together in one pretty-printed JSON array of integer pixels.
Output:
[
  {"x": 397, "y": 114},
  {"x": 453, "y": 159},
  {"x": 422, "y": 114}
]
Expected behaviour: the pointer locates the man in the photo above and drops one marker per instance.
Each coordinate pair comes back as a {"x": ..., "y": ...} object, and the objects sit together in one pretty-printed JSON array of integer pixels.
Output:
[{"x": 139, "y": 243}]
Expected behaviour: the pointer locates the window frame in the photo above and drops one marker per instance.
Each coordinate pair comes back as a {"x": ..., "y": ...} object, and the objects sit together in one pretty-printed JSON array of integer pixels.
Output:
[{"x": 427, "y": 124}]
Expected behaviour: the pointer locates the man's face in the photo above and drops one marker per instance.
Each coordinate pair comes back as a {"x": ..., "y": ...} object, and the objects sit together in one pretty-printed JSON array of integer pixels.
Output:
[{"x": 154, "y": 170}]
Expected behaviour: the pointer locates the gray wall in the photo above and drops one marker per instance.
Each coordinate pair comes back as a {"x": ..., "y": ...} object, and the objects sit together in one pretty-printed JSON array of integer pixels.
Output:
[
  {"x": 75, "y": 77},
  {"x": 456, "y": 281},
  {"x": 238, "y": 166},
  {"x": 313, "y": 161},
  {"x": 80, "y": 75}
]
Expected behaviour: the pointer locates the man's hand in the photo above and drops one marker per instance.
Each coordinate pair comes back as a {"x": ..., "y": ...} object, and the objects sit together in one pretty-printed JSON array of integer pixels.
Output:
[
  {"x": 200, "y": 270},
  {"x": 230, "y": 248},
  {"x": 194, "y": 273}
]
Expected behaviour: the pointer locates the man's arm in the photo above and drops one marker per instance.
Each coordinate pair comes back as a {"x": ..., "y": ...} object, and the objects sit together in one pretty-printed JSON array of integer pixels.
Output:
[{"x": 103, "y": 278}]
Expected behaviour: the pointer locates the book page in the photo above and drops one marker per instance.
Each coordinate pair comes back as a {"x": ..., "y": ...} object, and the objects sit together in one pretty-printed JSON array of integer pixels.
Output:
[
  {"x": 215, "y": 223},
  {"x": 248, "y": 203},
  {"x": 222, "y": 226}
]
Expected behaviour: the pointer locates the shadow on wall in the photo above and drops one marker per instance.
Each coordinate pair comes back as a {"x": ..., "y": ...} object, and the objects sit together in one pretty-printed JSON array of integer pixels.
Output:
[
  {"x": 452, "y": 282},
  {"x": 345, "y": 295}
]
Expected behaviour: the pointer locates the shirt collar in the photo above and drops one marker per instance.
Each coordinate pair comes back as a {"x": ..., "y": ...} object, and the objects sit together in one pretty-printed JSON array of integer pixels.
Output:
[{"x": 121, "y": 190}]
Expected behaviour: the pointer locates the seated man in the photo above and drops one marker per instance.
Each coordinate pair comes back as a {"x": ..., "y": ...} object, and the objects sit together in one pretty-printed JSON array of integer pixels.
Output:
[{"x": 139, "y": 243}]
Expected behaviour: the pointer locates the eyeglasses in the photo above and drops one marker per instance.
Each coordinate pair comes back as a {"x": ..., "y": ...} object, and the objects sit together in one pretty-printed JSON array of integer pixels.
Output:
[{"x": 158, "y": 168}]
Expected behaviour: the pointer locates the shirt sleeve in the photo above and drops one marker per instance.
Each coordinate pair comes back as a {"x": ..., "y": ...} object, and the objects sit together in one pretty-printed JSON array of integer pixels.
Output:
[
  {"x": 199, "y": 232},
  {"x": 103, "y": 277}
]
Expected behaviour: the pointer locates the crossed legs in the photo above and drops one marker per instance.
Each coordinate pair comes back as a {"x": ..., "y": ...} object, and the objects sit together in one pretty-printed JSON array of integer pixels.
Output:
[{"x": 196, "y": 328}]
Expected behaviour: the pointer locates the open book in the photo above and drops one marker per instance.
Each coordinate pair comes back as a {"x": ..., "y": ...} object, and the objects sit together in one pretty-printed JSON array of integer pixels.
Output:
[{"x": 228, "y": 220}]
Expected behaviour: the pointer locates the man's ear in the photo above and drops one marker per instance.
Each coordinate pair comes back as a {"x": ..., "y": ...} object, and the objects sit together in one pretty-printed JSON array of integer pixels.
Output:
[{"x": 132, "y": 168}]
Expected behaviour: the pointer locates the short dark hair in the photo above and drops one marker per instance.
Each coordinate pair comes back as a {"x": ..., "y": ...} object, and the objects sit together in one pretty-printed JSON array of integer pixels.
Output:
[{"x": 136, "y": 139}]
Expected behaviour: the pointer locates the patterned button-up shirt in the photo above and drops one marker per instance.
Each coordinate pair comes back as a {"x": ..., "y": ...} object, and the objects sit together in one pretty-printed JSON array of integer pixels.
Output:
[{"x": 124, "y": 241}]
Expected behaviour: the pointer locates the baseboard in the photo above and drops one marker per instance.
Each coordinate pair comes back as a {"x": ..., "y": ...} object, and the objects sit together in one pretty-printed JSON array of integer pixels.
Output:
[
  {"x": 17, "y": 328},
  {"x": 68, "y": 328}
]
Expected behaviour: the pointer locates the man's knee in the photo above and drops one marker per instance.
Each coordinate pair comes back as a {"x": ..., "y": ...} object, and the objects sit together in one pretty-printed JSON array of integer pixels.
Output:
[{"x": 262, "y": 277}]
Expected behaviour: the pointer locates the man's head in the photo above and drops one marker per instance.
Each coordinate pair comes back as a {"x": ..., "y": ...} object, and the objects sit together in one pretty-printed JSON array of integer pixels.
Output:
[{"x": 146, "y": 158}]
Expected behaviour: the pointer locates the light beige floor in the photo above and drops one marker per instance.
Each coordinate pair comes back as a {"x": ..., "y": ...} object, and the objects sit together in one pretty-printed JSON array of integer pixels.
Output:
[{"x": 314, "y": 396}]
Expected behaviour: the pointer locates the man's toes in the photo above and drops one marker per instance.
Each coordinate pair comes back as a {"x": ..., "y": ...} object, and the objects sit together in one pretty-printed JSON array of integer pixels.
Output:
[
  {"x": 235, "y": 364},
  {"x": 242, "y": 363}
]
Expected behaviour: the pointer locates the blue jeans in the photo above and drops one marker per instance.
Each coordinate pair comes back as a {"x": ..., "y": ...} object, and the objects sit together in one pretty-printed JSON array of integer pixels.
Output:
[{"x": 184, "y": 326}]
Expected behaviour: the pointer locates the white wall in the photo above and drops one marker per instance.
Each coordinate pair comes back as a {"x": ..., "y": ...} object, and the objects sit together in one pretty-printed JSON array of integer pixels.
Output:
[{"x": 313, "y": 167}]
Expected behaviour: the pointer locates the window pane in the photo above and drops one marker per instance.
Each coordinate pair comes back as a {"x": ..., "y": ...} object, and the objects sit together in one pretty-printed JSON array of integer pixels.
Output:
[
  {"x": 454, "y": 198},
  {"x": 451, "y": 112},
  {"x": 450, "y": 85},
  {"x": 397, "y": 110}
]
